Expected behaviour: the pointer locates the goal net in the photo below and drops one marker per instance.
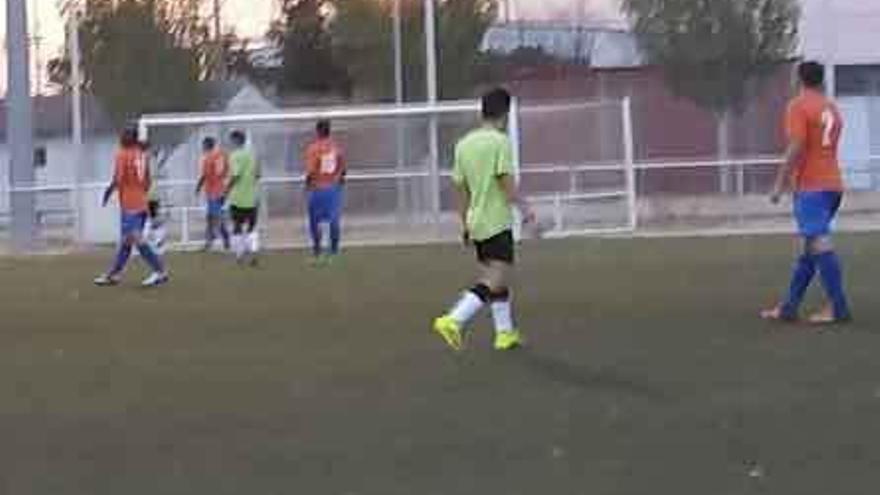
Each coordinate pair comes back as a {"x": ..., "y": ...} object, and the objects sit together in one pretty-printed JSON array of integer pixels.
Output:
[{"x": 571, "y": 160}]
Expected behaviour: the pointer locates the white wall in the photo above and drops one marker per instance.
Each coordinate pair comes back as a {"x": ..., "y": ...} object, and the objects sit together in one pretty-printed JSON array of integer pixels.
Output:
[{"x": 845, "y": 31}]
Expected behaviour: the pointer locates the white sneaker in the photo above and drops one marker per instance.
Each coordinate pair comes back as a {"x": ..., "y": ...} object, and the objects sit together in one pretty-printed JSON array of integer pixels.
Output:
[
  {"x": 106, "y": 280},
  {"x": 155, "y": 279}
]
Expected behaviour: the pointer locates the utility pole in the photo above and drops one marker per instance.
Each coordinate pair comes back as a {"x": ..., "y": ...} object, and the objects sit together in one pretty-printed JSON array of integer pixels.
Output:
[{"x": 19, "y": 122}]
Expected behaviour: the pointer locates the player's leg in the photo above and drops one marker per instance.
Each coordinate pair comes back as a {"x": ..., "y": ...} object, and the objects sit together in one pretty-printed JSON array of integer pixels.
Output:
[
  {"x": 253, "y": 236},
  {"x": 315, "y": 214},
  {"x": 123, "y": 253},
  {"x": 156, "y": 227},
  {"x": 221, "y": 222},
  {"x": 830, "y": 270},
  {"x": 149, "y": 255},
  {"x": 335, "y": 219},
  {"x": 238, "y": 220},
  {"x": 210, "y": 225},
  {"x": 497, "y": 274},
  {"x": 806, "y": 216}
]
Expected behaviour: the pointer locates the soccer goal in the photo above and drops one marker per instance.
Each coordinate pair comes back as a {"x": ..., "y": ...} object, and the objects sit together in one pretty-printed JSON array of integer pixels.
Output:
[{"x": 573, "y": 161}]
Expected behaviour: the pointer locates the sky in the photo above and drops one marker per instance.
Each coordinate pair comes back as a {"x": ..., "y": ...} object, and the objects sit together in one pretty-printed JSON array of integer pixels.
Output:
[{"x": 252, "y": 17}]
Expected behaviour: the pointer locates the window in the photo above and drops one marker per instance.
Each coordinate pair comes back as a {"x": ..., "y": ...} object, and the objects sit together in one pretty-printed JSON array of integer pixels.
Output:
[
  {"x": 41, "y": 157},
  {"x": 858, "y": 80}
]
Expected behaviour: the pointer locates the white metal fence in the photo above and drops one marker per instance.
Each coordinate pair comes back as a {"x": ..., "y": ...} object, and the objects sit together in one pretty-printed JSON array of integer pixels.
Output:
[{"x": 575, "y": 161}]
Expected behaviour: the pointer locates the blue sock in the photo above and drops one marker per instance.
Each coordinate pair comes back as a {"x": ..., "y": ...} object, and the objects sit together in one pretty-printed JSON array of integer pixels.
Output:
[
  {"x": 150, "y": 257},
  {"x": 832, "y": 280},
  {"x": 122, "y": 255},
  {"x": 801, "y": 276},
  {"x": 335, "y": 234},
  {"x": 315, "y": 229}
]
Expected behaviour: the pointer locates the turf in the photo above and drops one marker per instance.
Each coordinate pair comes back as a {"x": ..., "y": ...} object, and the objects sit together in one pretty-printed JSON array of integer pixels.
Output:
[{"x": 647, "y": 372}]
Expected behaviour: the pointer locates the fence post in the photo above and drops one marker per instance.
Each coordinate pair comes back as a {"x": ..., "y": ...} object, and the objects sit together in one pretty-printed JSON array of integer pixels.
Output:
[
  {"x": 513, "y": 132},
  {"x": 630, "y": 164}
]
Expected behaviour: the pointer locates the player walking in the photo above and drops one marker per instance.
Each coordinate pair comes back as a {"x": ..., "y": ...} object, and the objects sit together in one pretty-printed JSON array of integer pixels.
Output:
[
  {"x": 484, "y": 177},
  {"x": 131, "y": 178},
  {"x": 325, "y": 176},
  {"x": 242, "y": 193},
  {"x": 214, "y": 172},
  {"x": 814, "y": 126}
]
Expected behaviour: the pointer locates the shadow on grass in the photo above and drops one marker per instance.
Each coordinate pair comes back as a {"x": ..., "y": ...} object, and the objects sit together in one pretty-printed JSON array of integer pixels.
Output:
[{"x": 594, "y": 378}]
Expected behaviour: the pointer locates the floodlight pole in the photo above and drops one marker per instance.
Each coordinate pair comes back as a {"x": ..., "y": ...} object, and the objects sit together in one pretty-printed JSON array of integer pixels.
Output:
[
  {"x": 19, "y": 122},
  {"x": 431, "y": 76},
  {"x": 77, "y": 120}
]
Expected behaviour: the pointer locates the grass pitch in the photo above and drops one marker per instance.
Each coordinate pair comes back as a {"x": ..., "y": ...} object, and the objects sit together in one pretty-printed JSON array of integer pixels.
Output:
[{"x": 647, "y": 372}]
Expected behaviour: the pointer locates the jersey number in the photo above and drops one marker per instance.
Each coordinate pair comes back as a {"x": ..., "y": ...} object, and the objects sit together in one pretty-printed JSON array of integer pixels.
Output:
[
  {"x": 328, "y": 163},
  {"x": 829, "y": 121}
]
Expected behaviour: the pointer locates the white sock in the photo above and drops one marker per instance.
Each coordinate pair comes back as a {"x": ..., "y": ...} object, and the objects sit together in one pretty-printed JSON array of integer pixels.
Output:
[
  {"x": 238, "y": 245},
  {"x": 502, "y": 314},
  {"x": 468, "y": 306},
  {"x": 254, "y": 242}
]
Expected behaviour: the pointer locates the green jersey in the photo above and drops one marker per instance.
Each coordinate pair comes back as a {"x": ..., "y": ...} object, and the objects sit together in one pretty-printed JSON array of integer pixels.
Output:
[
  {"x": 481, "y": 157},
  {"x": 245, "y": 173}
]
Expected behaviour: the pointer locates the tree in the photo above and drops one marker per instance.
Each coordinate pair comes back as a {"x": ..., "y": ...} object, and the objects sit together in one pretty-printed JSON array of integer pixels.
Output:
[
  {"x": 303, "y": 36},
  {"x": 141, "y": 56},
  {"x": 715, "y": 52},
  {"x": 362, "y": 42}
]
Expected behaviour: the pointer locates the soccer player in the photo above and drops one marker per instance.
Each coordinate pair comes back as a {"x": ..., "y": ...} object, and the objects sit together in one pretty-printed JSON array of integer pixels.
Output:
[
  {"x": 483, "y": 175},
  {"x": 325, "y": 176},
  {"x": 814, "y": 126},
  {"x": 131, "y": 178},
  {"x": 154, "y": 231},
  {"x": 214, "y": 172},
  {"x": 242, "y": 194}
]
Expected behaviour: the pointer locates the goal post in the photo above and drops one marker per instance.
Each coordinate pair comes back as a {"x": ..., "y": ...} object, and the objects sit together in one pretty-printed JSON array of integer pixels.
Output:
[{"x": 569, "y": 158}]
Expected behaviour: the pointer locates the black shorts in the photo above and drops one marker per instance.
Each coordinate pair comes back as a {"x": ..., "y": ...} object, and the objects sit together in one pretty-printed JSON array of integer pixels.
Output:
[
  {"x": 243, "y": 216},
  {"x": 153, "y": 208},
  {"x": 497, "y": 248}
]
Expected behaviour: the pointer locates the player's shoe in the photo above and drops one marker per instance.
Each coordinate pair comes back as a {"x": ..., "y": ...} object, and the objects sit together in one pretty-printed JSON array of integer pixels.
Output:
[
  {"x": 450, "y": 331},
  {"x": 776, "y": 314},
  {"x": 826, "y": 317},
  {"x": 155, "y": 280},
  {"x": 507, "y": 341},
  {"x": 107, "y": 280}
]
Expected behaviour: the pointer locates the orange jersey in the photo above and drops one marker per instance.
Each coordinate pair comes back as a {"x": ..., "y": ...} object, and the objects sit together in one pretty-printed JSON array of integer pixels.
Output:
[
  {"x": 814, "y": 120},
  {"x": 215, "y": 171},
  {"x": 325, "y": 163},
  {"x": 132, "y": 178}
]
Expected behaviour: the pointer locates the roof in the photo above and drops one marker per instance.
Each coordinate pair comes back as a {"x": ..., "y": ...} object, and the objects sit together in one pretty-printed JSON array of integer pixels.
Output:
[
  {"x": 602, "y": 46},
  {"x": 53, "y": 117}
]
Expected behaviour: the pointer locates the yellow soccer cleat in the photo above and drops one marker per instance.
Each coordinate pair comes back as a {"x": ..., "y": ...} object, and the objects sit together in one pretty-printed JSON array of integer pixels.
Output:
[
  {"x": 506, "y": 341},
  {"x": 450, "y": 331}
]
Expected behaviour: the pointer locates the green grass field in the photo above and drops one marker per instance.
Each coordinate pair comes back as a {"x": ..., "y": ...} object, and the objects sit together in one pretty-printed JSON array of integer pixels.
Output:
[{"x": 646, "y": 373}]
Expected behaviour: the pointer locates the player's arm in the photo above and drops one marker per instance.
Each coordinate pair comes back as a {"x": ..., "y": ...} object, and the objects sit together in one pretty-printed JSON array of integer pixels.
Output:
[
  {"x": 311, "y": 161},
  {"x": 796, "y": 130},
  {"x": 114, "y": 182},
  {"x": 514, "y": 198},
  {"x": 504, "y": 174},
  {"x": 200, "y": 184},
  {"x": 343, "y": 167},
  {"x": 463, "y": 204}
]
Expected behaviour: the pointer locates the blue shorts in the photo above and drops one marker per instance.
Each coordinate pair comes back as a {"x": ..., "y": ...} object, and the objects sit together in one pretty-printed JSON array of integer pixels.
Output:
[
  {"x": 133, "y": 223},
  {"x": 215, "y": 206},
  {"x": 325, "y": 205},
  {"x": 815, "y": 212}
]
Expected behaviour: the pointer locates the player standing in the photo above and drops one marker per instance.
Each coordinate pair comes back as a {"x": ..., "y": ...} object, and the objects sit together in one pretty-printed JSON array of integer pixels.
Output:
[
  {"x": 325, "y": 176},
  {"x": 242, "y": 193},
  {"x": 131, "y": 178},
  {"x": 814, "y": 126},
  {"x": 484, "y": 177},
  {"x": 214, "y": 172}
]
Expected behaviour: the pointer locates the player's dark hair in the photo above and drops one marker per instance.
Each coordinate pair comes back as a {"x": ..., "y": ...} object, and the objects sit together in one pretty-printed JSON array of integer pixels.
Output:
[
  {"x": 209, "y": 143},
  {"x": 812, "y": 74},
  {"x": 128, "y": 138},
  {"x": 496, "y": 104},
  {"x": 238, "y": 138},
  {"x": 144, "y": 144},
  {"x": 323, "y": 128}
]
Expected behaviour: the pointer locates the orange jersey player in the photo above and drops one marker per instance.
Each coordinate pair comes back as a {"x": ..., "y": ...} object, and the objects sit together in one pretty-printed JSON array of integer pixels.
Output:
[
  {"x": 813, "y": 126},
  {"x": 325, "y": 175},
  {"x": 131, "y": 179},
  {"x": 213, "y": 177}
]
